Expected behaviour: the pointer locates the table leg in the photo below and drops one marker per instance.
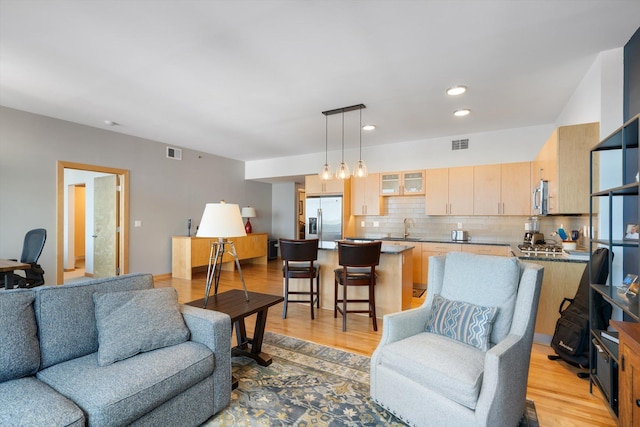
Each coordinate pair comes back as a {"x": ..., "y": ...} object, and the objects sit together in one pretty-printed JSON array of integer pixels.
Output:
[{"x": 255, "y": 352}]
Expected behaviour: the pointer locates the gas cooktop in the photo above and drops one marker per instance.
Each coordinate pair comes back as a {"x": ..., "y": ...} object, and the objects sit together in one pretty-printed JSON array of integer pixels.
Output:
[{"x": 540, "y": 249}]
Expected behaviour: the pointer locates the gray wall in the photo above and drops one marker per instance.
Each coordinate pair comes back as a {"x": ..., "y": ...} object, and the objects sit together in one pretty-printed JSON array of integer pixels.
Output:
[{"x": 163, "y": 192}]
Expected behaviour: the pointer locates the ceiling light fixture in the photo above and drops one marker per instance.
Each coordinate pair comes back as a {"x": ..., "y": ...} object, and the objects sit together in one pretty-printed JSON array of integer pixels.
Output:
[
  {"x": 360, "y": 171},
  {"x": 325, "y": 173},
  {"x": 462, "y": 113},
  {"x": 456, "y": 90},
  {"x": 342, "y": 172},
  {"x": 368, "y": 127}
]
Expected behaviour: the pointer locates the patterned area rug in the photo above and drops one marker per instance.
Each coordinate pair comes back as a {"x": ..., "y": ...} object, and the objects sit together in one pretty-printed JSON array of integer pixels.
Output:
[{"x": 306, "y": 385}]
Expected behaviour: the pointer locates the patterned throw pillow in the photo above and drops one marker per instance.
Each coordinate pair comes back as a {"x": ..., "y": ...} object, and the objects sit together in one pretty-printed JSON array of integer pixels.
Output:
[{"x": 461, "y": 321}]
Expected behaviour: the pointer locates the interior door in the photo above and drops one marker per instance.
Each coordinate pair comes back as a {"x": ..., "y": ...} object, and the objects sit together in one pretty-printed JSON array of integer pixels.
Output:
[{"x": 105, "y": 236}]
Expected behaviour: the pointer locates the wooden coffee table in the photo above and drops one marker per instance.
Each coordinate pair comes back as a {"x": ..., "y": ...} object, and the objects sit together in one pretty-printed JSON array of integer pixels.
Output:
[{"x": 235, "y": 304}]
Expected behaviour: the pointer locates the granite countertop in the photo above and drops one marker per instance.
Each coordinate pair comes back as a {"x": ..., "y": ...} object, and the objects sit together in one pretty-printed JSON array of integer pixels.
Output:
[
  {"x": 385, "y": 249},
  {"x": 513, "y": 245}
]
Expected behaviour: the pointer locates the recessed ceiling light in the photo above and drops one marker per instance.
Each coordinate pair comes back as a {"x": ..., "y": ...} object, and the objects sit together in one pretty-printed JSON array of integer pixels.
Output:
[
  {"x": 462, "y": 113},
  {"x": 456, "y": 90},
  {"x": 368, "y": 127}
]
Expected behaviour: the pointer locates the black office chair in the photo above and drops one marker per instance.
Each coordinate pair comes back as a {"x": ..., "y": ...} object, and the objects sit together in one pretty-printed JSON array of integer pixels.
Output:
[
  {"x": 299, "y": 257},
  {"x": 31, "y": 250},
  {"x": 358, "y": 261}
]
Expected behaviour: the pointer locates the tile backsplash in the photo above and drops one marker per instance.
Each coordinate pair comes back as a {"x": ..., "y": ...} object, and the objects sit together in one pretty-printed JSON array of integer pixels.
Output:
[{"x": 480, "y": 228}]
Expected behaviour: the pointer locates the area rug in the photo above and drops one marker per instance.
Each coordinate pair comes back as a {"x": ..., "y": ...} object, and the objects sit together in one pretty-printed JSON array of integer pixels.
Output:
[{"x": 306, "y": 385}]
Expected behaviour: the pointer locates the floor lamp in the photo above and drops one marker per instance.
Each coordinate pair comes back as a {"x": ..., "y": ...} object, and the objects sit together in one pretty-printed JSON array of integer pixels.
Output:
[{"x": 221, "y": 221}]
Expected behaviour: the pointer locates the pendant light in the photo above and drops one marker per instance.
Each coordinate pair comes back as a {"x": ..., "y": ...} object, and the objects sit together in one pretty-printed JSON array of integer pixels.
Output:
[
  {"x": 343, "y": 169},
  {"x": 326, "y": 174},
  {"x": 360, "y": 171}
]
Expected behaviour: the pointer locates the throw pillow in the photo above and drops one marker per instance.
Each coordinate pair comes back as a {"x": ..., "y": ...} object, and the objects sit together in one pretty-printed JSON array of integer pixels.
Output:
[
  {"x": 468, "y": 323},
  {"x": 132, "y": 322},
  {"x": 19, "y": 347}
]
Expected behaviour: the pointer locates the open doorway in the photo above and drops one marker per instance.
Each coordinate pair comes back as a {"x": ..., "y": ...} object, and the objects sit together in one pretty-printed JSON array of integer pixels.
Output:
[{"x": 97, "y": 244}]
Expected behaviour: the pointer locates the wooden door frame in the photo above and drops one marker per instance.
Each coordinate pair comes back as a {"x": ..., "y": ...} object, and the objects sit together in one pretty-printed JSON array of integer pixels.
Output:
[{"x": 123, "y": 242}]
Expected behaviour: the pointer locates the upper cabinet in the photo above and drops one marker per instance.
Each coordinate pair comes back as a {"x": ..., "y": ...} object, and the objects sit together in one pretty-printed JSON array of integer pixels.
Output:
[
  {"x": 365, "y": 195},
  {"x": 503, "y": 189},
  {"x": 407, "y": 183},
  {"x": 564, "y": 162},
  {"x": 449, "y": 191},
  {"x": 314, "y": 186}
]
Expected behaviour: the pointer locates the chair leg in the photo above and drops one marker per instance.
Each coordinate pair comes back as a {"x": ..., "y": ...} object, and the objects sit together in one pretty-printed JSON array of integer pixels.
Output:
[
  {"x": 311, "y": 295},
  {"x": 344, "y": 306},
  {"x": 286, "y": 297},
  {"x": 372, "y": 303},
  {"x": 318, "y": 290},
  {"x": 335, "y": 298}
]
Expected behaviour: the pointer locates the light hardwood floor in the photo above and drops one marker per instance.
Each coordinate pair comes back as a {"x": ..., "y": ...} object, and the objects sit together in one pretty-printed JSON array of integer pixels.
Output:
[{"x": 561, "y": 398}]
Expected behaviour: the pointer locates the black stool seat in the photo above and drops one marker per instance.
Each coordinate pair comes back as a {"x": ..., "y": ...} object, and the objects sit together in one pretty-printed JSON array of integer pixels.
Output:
[
  {"x": 299, "y": 257},
  {"x": 358, "y": 261}
]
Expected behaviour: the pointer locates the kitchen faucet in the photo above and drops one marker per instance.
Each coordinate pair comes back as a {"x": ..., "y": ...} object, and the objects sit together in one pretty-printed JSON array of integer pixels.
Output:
[{"x": 406, "y": 227}]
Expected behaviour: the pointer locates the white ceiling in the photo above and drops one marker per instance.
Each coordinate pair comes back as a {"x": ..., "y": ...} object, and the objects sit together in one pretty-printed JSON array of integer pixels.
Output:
[{"x": 248, "y": 80}]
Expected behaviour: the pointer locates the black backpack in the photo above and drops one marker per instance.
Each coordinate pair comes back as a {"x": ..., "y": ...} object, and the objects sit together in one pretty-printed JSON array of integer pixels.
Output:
[{"x": 571, "y": 337}]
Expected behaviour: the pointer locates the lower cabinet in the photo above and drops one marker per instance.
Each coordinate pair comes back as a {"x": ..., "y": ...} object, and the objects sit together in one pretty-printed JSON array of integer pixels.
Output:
[
  {"x": 496, "y": 250},
  {"x": 628, "y": 373},
  {"x": 188, "y": 253},
  {"x": 434, "y": 249}
]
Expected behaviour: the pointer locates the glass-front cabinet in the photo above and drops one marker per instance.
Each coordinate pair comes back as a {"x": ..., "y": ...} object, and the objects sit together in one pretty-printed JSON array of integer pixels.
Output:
[{"x": 402, "y": 183}]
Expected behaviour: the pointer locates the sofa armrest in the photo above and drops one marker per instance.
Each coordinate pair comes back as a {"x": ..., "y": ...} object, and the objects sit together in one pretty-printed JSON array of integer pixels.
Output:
[
  {"x": 208, "y": 327},
  {"x": 403, "y": 324},
  {"x": 213, "y": 329},
  {"x": 499, "y": 397}
]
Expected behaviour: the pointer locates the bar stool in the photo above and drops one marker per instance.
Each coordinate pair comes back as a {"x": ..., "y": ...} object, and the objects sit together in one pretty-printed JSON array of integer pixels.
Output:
[
  {"x": 358, "y": 261},
  {"x": 299, "y": 257}
]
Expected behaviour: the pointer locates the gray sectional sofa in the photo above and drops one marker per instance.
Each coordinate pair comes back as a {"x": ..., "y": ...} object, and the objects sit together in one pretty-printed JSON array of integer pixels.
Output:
[{"x": 110, "y": 352}]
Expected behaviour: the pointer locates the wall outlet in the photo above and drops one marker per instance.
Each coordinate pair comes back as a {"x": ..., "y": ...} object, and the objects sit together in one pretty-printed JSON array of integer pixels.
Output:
[
  {"x": 376, "y": 224},
  {"x": 362, "y": 223},
  {"x": 459, "y": 225},
  {"x": 137, "y": 223}
]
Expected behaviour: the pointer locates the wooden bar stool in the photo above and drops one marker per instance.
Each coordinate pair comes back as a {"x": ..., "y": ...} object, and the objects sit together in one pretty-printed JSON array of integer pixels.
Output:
[
  {"x": 358, "y": 261},
  {"x": 299, "y": 257}
]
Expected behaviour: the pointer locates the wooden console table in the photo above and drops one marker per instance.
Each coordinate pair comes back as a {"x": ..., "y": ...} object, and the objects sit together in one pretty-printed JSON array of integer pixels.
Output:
[{"x": 188, "y": 253}]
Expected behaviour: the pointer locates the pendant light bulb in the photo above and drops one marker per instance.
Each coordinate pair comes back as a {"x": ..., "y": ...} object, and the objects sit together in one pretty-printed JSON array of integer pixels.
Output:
[
  {"x": 360, "y": 171},
  {"x": 326, "y": 174},
  {"x": 343, "y": 169}
]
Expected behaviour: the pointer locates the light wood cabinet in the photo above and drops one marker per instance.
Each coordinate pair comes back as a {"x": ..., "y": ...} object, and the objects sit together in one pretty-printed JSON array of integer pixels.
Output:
[
  {"x": 502, "y": 189},
  {"x": 417, "y": 258},
  {"x": 564, "y": 162},
  {"x": 515, "y": 188},
  {"x": 628, "y": 373},
  {"x": 435, "y": 249},
  {"x": 496, "y": 250},
  {"x": 408, "y": 183},
  {"x": 365, "y": 195},
  {"x": 188, "y": 253},
  {"x": 314, "y": 186},
  {"x": 449, "y": 191}
]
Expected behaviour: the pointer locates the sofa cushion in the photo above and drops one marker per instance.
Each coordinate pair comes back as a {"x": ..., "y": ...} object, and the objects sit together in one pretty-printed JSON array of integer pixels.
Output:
[
  {"x": 65, "y": 315},
  {"x": 443, "y": 365},
  {"x": 494, "y": 283},
  {"x": 29, "y": 402},
  {"x": 122, "y": 392},
  {"x": 468, "y": 323},
  {"x": 20, "y": 352},
  {"x": 133, "y": 322}
]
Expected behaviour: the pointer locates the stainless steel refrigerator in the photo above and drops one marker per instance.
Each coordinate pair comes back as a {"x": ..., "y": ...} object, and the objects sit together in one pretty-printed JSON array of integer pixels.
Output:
[{"x": 324, "y": 220}]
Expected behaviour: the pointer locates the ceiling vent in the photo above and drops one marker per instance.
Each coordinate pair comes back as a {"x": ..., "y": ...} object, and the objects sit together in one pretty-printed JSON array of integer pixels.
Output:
[
  {"x": 460, "y": 144},
  {"x": 174, "y": 153}
]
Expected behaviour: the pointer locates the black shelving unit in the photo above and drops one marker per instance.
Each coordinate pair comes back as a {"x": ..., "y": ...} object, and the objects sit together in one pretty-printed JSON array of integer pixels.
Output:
[{"x": 621, "y": 202}]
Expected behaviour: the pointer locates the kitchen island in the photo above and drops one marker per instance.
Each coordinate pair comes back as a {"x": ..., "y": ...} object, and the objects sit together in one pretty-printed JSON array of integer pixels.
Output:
[{"x": 394, "y": 284}]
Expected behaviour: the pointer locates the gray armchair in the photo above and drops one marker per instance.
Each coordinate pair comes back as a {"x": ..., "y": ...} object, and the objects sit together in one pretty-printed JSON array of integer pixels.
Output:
[{"x": 462, "y": 358}]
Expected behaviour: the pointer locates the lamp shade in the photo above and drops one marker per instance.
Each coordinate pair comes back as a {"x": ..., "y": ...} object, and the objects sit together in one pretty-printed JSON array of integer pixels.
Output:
[
  {"x": 221, "y": 220},
  {"x": 249, "y": 212}
]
